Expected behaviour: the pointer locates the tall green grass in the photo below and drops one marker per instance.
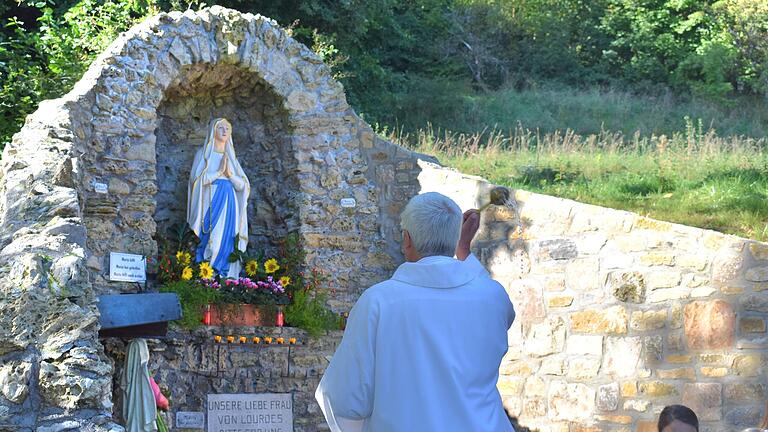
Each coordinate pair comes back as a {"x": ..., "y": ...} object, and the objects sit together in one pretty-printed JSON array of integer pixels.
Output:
[
  {"x": 692, "y": 177},
  {"x": 585, "y": 111}
]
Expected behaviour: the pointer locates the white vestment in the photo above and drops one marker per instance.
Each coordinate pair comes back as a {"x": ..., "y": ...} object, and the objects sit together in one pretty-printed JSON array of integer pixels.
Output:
[{"x": 421, "y": 352}]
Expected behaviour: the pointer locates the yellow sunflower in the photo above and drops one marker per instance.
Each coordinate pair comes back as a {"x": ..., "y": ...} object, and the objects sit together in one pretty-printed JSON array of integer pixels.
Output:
[
  {"x": 206, "y": 271},
  {"x": 186, "y": 274},
  {"x": 285, "y": 281},
  {"x": 183, "y": 258},
  {"x": 251, "y": 268},
  {"x": 271, "y": 266}
]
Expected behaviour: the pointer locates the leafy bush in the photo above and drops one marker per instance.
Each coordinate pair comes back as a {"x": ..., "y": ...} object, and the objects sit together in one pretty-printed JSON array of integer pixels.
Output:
[
  {"x": 193, "y": 297},
  {"x": 307, "y": 311}
]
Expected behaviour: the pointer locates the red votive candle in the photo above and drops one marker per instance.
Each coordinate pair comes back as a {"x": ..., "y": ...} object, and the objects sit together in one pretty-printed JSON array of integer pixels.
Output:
[{"x": 280, "y": 319}]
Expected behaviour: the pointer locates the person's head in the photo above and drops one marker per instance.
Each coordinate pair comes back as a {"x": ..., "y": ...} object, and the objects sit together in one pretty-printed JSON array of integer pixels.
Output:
[
  {"x": 431, "y": 225},
  {"x": 678, "y": 418}
]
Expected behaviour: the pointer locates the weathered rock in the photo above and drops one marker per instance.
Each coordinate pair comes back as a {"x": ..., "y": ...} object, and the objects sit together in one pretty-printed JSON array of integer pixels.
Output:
[
  {"x": 583, "y": 274},
  {"x": 752, "y": 325},
  {"x": 608, "y": 397},
  {"x": 612, "y": 320},
  {"x": 749, "y": 365},
  {"x": 546, "y": 337},
  {"x": 557, "y": 249},
  {"x": 755, "y": 302},
  {"x": 709, "y": 325},
  {"x": 657, "y": 389},
  {"x": 622, "y": 356},
  {"x": 570, "y": 402},
  {"x": 705, "y": 399},
  {"x": 726, "y": 267},
  {"x": 14, "y": 380},
  {"x": 757, "y": 274},
  {"x": 744, "y": 417},
  {"x": 744, "y": 392},
  {"x": 527, "y": 297},
  {"x": 585, "y": 345},
  {"x": 627, "y": 286},
  {"x": 663, "y": 279},
  {"x": 648, "y": 320}
]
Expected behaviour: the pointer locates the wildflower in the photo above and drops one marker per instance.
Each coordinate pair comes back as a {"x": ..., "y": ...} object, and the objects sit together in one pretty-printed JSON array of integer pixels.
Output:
[
  {"x": 271, "y": 266},
  {"x": 186, "y": 274},
  {"x": 206, "y": 271},
  {"x": 251, "y": 268},
  {"x": 285, "y": 281}
]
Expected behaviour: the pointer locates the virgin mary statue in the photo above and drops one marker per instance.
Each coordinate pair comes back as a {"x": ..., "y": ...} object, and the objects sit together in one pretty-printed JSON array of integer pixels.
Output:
[{"x": 217, "y": 200}]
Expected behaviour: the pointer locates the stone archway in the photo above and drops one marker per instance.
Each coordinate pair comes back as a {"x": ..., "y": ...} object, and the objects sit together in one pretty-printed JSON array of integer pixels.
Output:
[{"x": 153, "y": 103}]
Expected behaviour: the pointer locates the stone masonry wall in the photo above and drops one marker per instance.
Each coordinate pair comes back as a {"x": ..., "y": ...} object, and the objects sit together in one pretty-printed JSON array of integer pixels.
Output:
[
  {"x": 191, "y": 365},
  {"x": 619, "y": 315}
]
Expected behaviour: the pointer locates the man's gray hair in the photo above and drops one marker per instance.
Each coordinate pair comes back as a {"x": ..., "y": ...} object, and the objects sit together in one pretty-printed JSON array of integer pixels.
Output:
[{"x": 434, "y": 222}]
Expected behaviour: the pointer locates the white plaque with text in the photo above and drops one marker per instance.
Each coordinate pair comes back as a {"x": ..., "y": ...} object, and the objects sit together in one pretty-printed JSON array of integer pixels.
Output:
[
  {"x": 125, "y": 267},
  {"x": 101, "y": 188},
  {"x": 348, "y": 202},
  {"x": 250, "y": 412},
  {"x": 190, "y": 420}
]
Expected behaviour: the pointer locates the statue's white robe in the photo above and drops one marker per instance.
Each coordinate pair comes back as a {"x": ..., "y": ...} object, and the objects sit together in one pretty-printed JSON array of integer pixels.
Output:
[
  {"x": 421, "y": 352},
  {"x": 200, "y": 191}
]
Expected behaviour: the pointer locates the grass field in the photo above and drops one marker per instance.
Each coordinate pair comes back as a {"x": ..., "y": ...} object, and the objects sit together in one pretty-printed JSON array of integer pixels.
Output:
[
  {"x": 692, "y": 177},
  {"x": 551, "y": 107}
]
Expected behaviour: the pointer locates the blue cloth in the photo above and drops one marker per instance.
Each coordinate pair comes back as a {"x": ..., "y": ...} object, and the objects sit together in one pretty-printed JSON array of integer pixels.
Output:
[{"x": 223, "y": 200}]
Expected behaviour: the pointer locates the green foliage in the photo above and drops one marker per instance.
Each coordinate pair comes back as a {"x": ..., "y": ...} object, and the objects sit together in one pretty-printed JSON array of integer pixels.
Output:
[
  {"x": 307, "y": 311},
  {"x": 193, "y": 297},
  {"x": 44, "y": 53},
  {"x": 408, "y": 63}
]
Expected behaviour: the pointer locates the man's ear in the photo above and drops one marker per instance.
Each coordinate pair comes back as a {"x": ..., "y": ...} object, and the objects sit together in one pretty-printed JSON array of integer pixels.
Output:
[{"x": 407, "y": 242}]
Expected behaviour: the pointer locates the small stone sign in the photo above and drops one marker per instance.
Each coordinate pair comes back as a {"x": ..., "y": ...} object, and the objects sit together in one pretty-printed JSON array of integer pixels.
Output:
[
  {"x": 101, "y": 188},
  {"x": 125, "y": 267},
  {"x": 250, "y": 412},
  {"x": 190, "y": 420},
  {"x": 348, "y": 202}
]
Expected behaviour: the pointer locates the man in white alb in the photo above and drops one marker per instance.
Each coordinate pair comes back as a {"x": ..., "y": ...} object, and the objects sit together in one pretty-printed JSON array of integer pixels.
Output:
[{"x": 421, "y": 351}]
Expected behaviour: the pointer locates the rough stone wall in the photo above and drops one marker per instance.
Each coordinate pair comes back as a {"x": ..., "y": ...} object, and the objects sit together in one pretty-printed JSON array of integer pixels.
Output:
[
  {"x": 53, "y": 372},
  {"x": 619, "y": 315},
  {"x": 190, "y": 365}
]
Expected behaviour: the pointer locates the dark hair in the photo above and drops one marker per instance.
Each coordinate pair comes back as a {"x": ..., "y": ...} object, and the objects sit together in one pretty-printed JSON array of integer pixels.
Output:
[{"x": 670, "y": 413}]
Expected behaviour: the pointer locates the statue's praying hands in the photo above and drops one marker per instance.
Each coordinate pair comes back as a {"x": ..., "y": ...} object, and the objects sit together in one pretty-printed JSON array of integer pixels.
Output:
[{"x": 224, "y": 170}]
